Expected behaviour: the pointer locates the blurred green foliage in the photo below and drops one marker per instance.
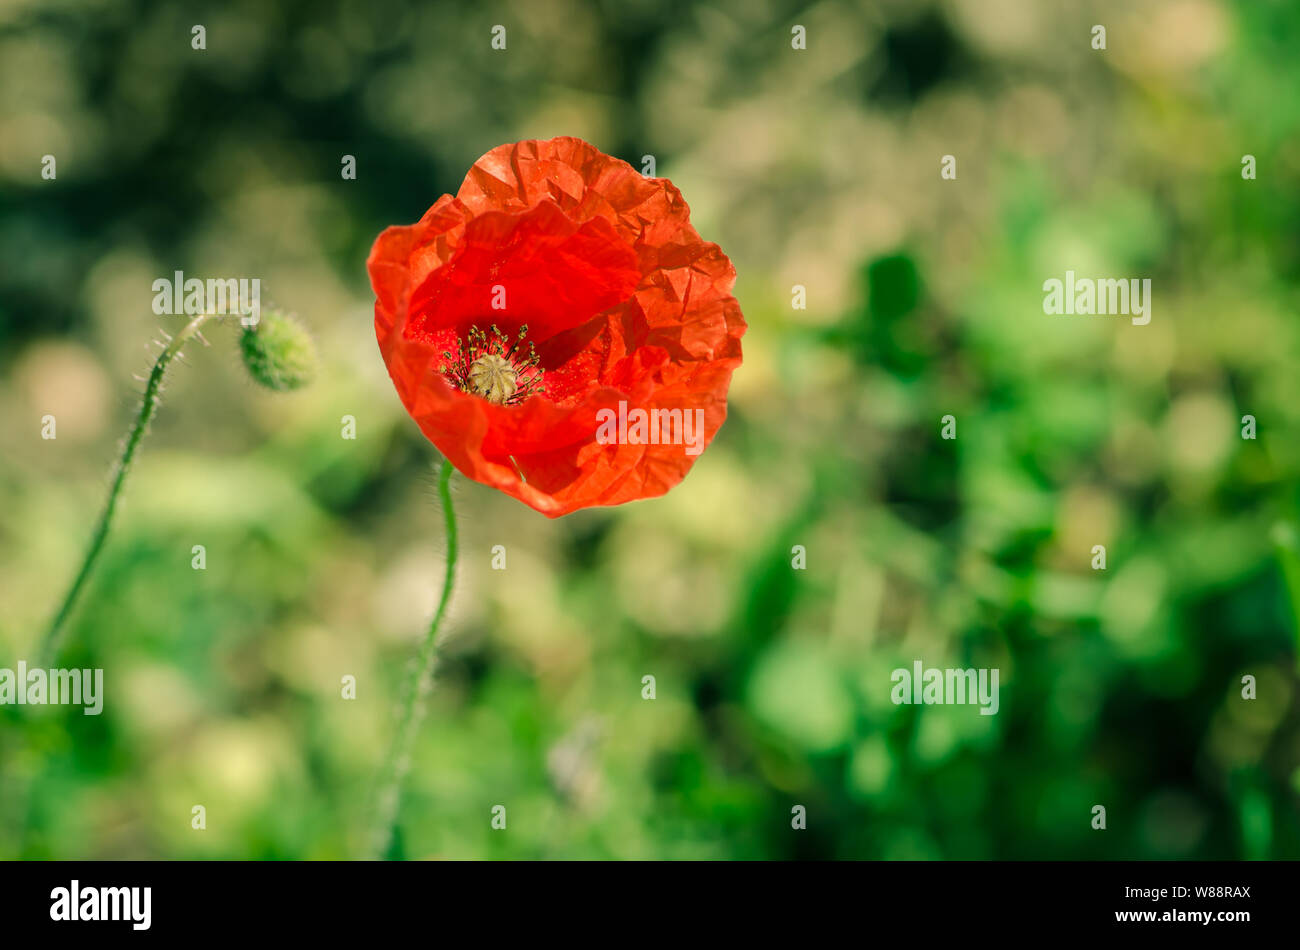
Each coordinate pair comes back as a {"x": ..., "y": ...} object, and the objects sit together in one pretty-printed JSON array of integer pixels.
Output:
[{"x": 818, "y": 168}]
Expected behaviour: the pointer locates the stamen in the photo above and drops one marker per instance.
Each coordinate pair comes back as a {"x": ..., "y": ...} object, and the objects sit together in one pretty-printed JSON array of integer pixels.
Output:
[{"x": 486, "y": 366}]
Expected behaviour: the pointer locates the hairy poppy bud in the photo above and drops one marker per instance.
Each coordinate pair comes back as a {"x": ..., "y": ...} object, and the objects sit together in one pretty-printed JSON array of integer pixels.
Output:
[{"x": 278, "y": 352}]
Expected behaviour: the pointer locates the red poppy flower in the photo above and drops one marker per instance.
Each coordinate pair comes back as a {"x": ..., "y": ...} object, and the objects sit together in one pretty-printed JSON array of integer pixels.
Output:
[{"x": 558, "y": 329}]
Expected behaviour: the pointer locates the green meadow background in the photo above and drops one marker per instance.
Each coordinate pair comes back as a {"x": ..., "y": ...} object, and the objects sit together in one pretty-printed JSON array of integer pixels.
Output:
[{"x": 817, "y": 168}]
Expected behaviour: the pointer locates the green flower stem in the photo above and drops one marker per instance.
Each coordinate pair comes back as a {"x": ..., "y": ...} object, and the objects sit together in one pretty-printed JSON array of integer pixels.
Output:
[
  {"x": 148, "y": 407},
  {"x": 416, "y": 691}
]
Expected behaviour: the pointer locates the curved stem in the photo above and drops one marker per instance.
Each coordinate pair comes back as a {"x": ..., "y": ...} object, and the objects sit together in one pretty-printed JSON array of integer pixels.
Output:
[
  {"x": 418, "y": 686},
  {"x": 148, "y": 406}
]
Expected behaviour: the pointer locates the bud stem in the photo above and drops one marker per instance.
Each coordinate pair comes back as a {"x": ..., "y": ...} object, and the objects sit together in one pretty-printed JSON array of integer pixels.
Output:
[{"x": 148, "y": 407}]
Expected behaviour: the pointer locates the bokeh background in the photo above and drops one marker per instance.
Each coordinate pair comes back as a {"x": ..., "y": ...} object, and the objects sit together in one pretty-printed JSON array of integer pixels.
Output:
[{"x": 818, "y": 168}]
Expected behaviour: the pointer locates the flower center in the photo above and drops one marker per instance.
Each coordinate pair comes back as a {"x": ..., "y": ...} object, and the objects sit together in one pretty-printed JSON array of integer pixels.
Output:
[
  {"x": 492, "y": 366},
  {"x": 493, "y": 378}
]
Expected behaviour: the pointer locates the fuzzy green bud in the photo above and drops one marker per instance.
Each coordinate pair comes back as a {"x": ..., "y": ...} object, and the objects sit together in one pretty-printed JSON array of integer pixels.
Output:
[{"x": 278, "y": 352}]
